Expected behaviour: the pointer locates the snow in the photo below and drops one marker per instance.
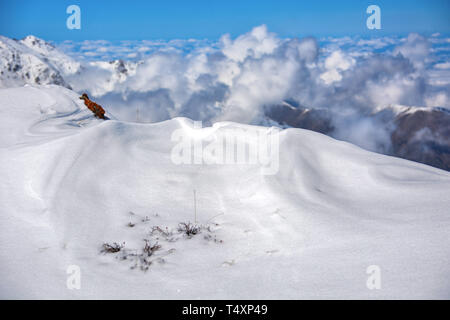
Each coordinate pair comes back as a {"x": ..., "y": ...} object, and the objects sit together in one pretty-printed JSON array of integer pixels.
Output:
[
  {"x": 33, "y": 61},
  {"x": 70, "y": 182}
]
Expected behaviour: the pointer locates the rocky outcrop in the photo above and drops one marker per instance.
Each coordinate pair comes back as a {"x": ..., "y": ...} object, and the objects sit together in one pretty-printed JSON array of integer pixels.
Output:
[
  {"x": 318, "y": 120},
  {"x": 423, "y": 136}
]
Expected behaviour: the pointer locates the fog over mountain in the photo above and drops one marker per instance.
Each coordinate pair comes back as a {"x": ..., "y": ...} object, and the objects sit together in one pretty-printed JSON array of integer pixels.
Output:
[{"x": 387, "y": 94}]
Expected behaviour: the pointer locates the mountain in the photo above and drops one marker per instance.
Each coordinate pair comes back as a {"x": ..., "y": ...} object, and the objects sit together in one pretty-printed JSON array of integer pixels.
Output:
[
  {"x": 295, "y": 116},
  {"x": 417, "y": 134},
  {"x": 109, "y": 199},
  {"x": 33, "y": 61}
]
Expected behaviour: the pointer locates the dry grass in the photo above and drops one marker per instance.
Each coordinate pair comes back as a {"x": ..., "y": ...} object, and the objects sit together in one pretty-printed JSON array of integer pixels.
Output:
[{"x": 112, "y": 248}]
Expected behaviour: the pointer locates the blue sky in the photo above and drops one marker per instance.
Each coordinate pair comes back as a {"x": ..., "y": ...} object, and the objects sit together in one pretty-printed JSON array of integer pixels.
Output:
[{"x": 171, "y": 19}]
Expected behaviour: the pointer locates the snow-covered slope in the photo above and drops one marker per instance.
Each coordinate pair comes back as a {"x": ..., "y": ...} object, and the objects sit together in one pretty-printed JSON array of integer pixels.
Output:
[{"x": 70, "y": 182}]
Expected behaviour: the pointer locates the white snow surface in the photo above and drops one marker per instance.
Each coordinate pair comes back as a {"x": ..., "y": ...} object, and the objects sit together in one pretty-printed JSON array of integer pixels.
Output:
[{"x": 70, "y": 182}]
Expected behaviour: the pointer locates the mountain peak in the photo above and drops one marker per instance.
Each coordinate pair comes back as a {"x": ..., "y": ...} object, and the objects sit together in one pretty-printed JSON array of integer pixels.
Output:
[
  {"x": 37, "y": 44},
  {"x": 32, "y": 60}
]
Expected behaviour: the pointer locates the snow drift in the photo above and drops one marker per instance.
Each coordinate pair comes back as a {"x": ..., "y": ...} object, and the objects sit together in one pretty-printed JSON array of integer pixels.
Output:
[{"x": 70, "y": 182}]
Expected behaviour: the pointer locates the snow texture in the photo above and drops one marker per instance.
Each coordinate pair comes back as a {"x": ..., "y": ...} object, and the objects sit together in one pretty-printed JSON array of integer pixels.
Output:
[{"x": 71, "y": 182}]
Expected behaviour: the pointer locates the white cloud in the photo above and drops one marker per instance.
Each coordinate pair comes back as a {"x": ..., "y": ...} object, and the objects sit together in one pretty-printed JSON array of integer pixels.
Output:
[
  {"x": 335, "y": 63},
  {"x": 236, "y": 79},
  {"x": 444, "y": 65},
  {"x": 416, "y": 48},
  {"x": 253, "y": 44}
]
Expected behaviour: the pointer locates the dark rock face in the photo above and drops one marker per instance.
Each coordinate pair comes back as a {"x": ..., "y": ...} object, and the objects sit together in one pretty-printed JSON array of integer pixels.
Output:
[
  {"x": 318, "y": 120},
  {"x": 120, "y": 66},
  {"x": 421, "y": 135}
]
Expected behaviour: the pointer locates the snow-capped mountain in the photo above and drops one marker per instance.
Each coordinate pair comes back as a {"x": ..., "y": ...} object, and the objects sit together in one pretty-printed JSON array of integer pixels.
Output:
[
  {"x": 107, "y": 198},
  {"x": 59, "y": 60},
  {"x": 417, "y": 134},
  {"x": 33, "y": 61}
]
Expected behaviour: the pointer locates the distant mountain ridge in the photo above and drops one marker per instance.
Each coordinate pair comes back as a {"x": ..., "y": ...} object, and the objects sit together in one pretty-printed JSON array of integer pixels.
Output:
[
  {"x": 33, "y": 61},
  {"x": 417, "y": 134}
]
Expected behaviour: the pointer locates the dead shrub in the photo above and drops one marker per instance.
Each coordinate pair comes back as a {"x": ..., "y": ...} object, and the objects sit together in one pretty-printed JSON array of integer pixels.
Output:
[
  {"x": 112, "y": 248},
  {"x": 189, "y": 229}
]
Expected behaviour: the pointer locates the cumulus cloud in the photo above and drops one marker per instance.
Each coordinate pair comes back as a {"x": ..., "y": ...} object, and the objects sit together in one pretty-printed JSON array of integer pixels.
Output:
[
  {"x": 237, "y": 79},
  {"x": 335, "y": 63},
  {"x": 444, "y": 65},
  {"x": 416, "y": 48}
]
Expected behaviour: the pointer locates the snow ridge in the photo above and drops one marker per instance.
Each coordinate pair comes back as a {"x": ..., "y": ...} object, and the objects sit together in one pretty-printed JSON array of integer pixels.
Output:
[{"x": 71, "y": 183}]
